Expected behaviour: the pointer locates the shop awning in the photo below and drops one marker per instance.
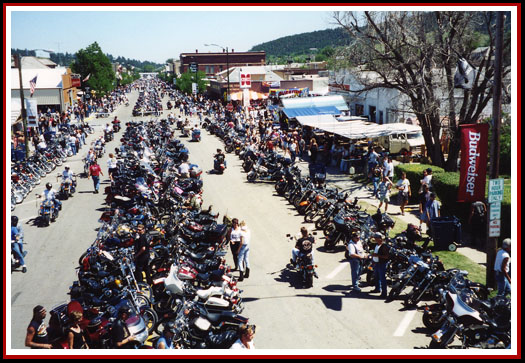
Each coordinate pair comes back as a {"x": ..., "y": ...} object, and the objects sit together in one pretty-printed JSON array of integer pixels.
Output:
[
  {"x": 355, "y": 129},
  {"x": 310, "y": 111},
  {"x": 238, "y": 96},
  {"x": 321, "y": 101}
]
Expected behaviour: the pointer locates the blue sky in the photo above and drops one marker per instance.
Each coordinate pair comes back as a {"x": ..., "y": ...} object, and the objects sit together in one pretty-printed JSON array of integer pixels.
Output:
[{"x": 158, "y": 35}]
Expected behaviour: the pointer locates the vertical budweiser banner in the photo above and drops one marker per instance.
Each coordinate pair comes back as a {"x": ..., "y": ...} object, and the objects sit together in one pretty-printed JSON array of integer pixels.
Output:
[{"x": 473, "y": 167}]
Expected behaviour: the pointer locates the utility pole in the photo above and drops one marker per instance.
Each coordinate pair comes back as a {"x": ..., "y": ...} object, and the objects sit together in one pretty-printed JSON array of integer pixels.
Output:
[
  {"x": 18, "y": 60},
  {"x": 492, "y": 242}
]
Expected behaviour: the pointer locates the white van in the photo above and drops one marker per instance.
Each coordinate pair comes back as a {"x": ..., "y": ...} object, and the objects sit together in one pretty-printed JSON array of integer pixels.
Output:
[{"x": 402, "y": 143}]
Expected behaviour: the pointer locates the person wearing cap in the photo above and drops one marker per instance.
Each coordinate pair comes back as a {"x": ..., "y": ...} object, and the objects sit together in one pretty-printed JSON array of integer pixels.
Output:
[
  {"x": 120, "y": 334},
  {"x": 356, "y": 254},
  {"x": 166, "y": 339},
  {"x": 501, "y": 268},
  {"x": 67, "y": 177},
  {"x": 36, "y": 336},
  {"x": 380, "y": 258}
]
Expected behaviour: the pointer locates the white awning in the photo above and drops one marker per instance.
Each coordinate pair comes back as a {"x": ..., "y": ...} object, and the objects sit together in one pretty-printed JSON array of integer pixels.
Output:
[{"x": 355, "y": 129}]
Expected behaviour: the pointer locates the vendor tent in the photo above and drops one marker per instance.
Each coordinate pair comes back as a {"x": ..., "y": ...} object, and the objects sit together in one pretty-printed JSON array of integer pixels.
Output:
[
  {"x": 308, "y": 111},
  {"x": 323, "y": 101},
  {"x": 237, "y": 96},
  {"x": 355, "y": 129}
]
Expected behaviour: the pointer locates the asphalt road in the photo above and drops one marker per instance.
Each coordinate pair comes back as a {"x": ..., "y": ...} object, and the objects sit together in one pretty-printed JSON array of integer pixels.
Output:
[{"x": 287, "y": 315}]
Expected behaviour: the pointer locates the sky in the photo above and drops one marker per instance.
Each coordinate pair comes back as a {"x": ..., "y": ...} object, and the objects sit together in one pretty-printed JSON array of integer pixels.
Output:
[{"x": 150, "y": 34}]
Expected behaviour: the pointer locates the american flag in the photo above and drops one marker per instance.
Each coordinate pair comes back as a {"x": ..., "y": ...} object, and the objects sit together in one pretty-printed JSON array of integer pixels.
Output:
[{"x": 32, "y": 85}]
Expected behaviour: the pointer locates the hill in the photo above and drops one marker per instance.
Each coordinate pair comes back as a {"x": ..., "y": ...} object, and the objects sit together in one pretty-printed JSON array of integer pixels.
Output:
[{"x": 300, "y": 44}]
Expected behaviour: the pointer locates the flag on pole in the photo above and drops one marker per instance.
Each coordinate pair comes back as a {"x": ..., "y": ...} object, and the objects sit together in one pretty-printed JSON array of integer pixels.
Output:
[
  {"x": 87, "y": 77},
  {"x": 32, "y": 85}
]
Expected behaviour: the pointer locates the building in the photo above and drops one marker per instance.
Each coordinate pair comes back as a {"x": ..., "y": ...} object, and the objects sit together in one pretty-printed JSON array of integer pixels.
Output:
[
  {"x": 54, "y": 88},
  {"x": 212, "y": 63}
]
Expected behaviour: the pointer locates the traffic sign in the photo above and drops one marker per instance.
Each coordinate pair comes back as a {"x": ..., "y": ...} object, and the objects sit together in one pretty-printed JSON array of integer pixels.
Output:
[
  {"x": 193, "y": 67},
  {"x": 496, "y": 187},
  {"x": 495, "y": 228},
  {"x": 495, "y": 211}
]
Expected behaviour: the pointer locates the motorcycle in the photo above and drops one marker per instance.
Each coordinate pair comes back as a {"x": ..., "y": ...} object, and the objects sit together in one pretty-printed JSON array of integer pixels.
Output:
[
  {"x": 47, "y": 211},
  {"x": 67, "y": 187},
  {"x": 219, "y": 164},
  {"x": 196, "y": 135},
  {"x": 305, "y": 266}
]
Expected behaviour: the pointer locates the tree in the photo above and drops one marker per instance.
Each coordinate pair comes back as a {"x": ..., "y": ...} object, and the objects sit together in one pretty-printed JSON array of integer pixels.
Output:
[
  {"x": 93, "y": 62},
  {"x": 184, "y": 82},
  {"x": 416, "y": 53}
]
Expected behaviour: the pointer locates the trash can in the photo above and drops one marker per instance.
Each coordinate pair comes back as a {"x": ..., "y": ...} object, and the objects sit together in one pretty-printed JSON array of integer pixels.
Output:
[{"x": 446, "y": 232}]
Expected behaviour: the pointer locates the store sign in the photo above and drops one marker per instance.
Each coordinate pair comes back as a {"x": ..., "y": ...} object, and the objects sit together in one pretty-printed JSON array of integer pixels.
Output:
[
  {"x": 31, "y": 112},
  {"x": 473, "y": 166},
  {"x": 75, "y": 80},
  {"x": 246, "y": 80}
]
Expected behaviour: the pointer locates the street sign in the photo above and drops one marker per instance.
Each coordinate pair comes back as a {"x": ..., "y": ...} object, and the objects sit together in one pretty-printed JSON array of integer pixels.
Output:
[
  {"x": 495, "y": 228},
  {"x": 495, "y": 211},
  {"x": 194, "y": 67},
  {"x": 194, "y": 88},
  {"x": 496, "y": 187}
]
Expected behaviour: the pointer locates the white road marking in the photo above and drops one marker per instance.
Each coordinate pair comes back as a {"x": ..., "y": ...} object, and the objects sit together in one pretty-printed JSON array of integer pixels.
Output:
[
  {"x": 400, "y": 331},
  {"x": 339, "y": 268}
]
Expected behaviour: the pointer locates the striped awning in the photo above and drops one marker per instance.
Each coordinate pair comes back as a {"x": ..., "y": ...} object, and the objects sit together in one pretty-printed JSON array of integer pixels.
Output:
[{"x": 238, "y": 96}]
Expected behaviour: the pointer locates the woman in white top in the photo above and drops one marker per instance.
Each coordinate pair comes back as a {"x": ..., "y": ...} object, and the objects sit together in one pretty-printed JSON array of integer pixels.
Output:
[
  {"x": 243, "y": 259},
  {"x": 245, "y": 341},
  {"x": 112, "y": 166},
  {"x": 235, "y": 238}
]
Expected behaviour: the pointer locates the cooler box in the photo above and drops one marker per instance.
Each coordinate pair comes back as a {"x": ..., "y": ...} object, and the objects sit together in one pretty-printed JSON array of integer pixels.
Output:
[{"x": 445, "y": 231}]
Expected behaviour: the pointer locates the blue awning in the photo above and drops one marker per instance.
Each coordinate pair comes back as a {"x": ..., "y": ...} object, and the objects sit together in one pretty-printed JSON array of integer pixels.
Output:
[{"x": 311, "y": 111}]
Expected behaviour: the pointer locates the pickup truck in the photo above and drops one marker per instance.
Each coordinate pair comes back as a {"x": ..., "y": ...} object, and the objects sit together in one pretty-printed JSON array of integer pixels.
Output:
[{"x": 403, "y": 143}]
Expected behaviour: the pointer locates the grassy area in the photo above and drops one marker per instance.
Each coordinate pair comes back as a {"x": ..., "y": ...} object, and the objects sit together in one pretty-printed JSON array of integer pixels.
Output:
[{"x": 477, "y": 272}]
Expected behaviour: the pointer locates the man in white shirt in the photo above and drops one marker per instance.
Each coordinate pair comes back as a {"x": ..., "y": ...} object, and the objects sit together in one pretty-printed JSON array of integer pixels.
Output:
[
  {"x": 184, "y": 170},
  {"x": 501, "y": 267}
]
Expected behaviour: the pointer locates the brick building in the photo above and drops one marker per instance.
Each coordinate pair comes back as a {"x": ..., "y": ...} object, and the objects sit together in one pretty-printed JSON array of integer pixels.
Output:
[{"x": 212, "y": 63}]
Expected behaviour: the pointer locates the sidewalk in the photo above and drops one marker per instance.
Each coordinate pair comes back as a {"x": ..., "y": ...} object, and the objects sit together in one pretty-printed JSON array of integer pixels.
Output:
[{"x": 334, "y": 177}]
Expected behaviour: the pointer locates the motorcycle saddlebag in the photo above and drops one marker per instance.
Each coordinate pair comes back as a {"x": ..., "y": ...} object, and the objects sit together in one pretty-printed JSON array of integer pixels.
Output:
[{"x": 216, "y": 233}]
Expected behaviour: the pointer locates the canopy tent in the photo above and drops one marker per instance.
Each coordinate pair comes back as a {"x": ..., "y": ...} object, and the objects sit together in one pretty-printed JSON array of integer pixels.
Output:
[
  {"x": 322, "y": 101},
  {"x": 355, "y": 129},
  {"x": 308, "y": 111},
  {"x": 238, "y": 96}
]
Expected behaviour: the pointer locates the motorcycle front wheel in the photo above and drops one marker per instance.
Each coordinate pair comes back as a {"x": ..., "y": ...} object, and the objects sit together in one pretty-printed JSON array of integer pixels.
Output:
[{"x": 150, "y": 318}]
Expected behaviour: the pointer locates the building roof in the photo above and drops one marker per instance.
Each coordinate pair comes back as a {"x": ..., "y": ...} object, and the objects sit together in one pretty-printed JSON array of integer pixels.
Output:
[
  {"x": 36, "y": 63},
  {"x": 46, "y": 77},
  {"x": 267, "y": 71},
  {"x": 322, "y": 101}
]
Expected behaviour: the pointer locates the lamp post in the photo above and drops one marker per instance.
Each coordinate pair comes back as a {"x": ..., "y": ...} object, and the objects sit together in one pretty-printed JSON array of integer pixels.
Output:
[{"x": 227, "y": 67}]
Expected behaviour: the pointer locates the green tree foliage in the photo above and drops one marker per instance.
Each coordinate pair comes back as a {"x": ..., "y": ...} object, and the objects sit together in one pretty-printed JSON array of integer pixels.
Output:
[
  {"x": 186, "y": 79},
  {"x": 300, "y": 44},
  {"x": 92, "y": 61}
]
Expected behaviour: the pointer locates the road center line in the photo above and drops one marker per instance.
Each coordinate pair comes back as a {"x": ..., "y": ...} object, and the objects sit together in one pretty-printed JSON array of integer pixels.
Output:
[
  {"x": 339, "y": 268},
  {"x": 400, "y": 331}
]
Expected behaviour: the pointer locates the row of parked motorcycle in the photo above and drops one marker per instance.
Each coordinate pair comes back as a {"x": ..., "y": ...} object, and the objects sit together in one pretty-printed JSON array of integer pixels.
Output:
[
  {"x": 26, "y": 174},
  {"x": 458, "y": 308},
  {"x": 190, "y": 289}
]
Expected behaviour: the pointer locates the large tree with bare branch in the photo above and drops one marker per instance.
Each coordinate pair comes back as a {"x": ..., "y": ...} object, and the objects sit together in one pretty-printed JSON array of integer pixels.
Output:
[{"x": 416, "y": 53}]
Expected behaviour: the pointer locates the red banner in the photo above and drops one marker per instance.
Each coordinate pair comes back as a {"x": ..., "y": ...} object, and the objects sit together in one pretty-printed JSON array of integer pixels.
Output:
[{"x": 473, "y": 167}]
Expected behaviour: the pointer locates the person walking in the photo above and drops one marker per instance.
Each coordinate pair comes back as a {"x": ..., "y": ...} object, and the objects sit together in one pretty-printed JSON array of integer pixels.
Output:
[
  {"x": 424, "y": 197},
  {"x": 403, "y": 185},
  {"x": 243, "y": 259},
  {"x": 380, "y": 258},
  {"x": 94, "y": 173},
  {"x": 293, "y": 149},
  {"x": 314, "y": 149},
  {"x": 501, "y": 268},
  {"x": 112, "y": 166},
  {"x": 384, "y": 192},
  {"x": 356, "y": 254},
  {"x": 36, "y": 336},
  {"x": 17, "y": 240}
]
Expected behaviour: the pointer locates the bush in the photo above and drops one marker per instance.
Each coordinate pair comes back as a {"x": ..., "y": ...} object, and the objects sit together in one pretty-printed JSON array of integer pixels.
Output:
[{"x": 445, "y": 186}]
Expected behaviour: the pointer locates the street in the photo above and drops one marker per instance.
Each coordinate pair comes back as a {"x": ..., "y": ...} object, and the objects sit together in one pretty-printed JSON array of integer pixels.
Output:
[{"x": 287, "y": 315}]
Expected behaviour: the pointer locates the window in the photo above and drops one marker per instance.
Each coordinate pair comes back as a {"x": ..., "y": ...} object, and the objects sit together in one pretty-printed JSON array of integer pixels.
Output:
[
  {"x": 372, "y": 113},
  {"x": 359, "y": 109}
]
